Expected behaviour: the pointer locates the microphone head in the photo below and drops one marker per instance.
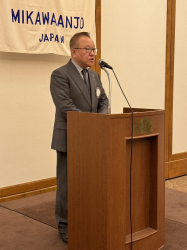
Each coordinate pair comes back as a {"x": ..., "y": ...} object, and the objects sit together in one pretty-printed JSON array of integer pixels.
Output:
[{"x": 100, "y": 62}]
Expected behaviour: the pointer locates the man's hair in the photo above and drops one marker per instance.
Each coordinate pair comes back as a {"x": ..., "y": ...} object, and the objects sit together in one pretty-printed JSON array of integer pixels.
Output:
[{"x": 75, "y": 38}]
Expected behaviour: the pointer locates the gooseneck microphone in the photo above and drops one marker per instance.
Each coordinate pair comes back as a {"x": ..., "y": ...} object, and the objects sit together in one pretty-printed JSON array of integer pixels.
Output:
[{"x": 103, "y": 64}]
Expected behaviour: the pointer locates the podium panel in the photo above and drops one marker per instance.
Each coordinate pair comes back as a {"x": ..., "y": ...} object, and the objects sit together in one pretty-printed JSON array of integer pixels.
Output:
[{"x": 99, "y": 153}]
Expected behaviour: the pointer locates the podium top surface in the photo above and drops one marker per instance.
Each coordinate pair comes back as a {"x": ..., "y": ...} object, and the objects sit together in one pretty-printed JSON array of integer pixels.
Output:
[{"x": 138, "y": 112}]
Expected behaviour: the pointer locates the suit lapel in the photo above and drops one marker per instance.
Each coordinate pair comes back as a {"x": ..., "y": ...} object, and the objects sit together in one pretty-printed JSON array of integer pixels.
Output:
[{"x": 79, "y": 81}]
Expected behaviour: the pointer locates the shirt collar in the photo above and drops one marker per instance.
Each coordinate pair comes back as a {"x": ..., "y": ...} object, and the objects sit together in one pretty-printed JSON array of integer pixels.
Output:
[{"x": 79, "y": 68}]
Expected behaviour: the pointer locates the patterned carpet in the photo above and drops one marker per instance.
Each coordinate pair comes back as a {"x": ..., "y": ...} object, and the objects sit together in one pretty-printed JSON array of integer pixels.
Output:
[{"x": 179, "y": 183}]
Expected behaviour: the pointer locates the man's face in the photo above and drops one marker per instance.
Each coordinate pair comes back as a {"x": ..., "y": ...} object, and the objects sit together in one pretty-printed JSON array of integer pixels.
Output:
[{"x": 82, "y": 57}]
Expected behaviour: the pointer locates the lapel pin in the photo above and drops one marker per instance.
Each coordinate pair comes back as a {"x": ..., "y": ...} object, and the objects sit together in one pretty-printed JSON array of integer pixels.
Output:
[{"x": 98, "y": 92}]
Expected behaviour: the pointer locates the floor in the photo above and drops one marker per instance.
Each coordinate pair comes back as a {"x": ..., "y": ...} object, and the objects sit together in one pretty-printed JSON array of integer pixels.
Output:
[
  {"x": 29, "y": 223},
  {"x": 179, "y": 183}
]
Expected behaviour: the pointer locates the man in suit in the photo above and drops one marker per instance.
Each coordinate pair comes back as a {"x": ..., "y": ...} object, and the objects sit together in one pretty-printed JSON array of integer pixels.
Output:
[{"x": 74, "y": 87}]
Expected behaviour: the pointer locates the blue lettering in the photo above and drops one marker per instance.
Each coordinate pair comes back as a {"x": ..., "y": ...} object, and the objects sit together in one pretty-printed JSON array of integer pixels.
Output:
[
  {"x": 22, "y": 16},
  {"x": 77, "y": 22},
  {"x": 46, "y": 38},
  {"x": 56, "y": 39},
  {"x": 60, "y": 21},
  {"x": 82, "y": 19},
  {"x": 62, "y": 39},
  {"x": 69, "y": 21},
  {"x": 29, "y": 17},
  {"x": 41, "y": 38},
  {"x": 15, "y": 17},
  {"x": 53, "y": 20},
  {"x": 51, "y": 36},
  {"x": 38, "y": 18},
  {"x": 45, "y": 17}
]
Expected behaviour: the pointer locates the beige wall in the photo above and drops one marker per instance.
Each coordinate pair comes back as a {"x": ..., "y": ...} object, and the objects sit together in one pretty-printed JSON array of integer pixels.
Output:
[
  {"x": 133, "y": 42},
  {"x": 27, "y": 115},
  {"x": 180, "y": 80}
]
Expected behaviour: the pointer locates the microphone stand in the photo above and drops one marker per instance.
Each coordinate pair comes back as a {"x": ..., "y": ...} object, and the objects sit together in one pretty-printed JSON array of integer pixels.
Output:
[
  {"x": 102, "y": 62},
  {"x": 110, "y": 90}
]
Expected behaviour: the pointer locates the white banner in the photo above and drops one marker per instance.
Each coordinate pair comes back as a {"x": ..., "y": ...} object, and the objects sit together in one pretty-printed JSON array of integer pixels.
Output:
[{"x": 44, "y": 26}]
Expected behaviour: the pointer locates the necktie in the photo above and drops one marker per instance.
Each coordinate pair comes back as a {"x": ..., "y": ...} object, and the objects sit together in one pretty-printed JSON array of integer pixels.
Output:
[{"x": 84, "y": 71}]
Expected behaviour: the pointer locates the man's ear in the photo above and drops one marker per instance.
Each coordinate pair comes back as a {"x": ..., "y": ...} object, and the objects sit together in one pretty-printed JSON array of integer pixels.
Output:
[{"x": 73, "y": 52}]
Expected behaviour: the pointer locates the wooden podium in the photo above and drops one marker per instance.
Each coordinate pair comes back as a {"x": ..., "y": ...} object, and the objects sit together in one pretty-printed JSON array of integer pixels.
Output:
[{"x": 99, "y": 149}]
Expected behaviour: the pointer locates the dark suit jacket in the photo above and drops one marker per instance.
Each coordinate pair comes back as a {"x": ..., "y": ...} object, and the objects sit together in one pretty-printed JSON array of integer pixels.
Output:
[{"x": 69, "y": 93}]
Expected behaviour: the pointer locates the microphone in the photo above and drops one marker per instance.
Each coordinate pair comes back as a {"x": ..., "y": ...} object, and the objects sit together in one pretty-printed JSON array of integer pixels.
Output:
[{"x": 103, "y": 64}]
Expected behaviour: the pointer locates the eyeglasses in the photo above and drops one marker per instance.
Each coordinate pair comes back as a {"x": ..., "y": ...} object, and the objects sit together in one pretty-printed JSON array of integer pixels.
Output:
[{"x": 89, "y": 51}]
